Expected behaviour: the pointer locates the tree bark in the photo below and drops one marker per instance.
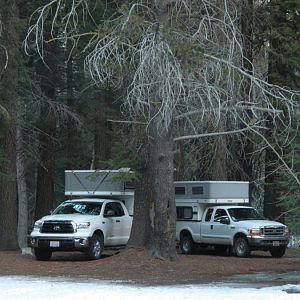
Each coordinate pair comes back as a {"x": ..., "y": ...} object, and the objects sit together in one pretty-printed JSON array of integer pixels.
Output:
[
  {"x": 275, "y": 70},
  {"x": 9, "y": 83},
  {"x": 46, "y": 168},
  {"x": 21, "y": 184},
  {"x": 102, "y": 129},
  {"x": 253, "y": 165},
  {"x": 8, "y": 197},
  {"x": 219, "y": 167},
  {"x": 141, "y": 232},
  {"x": 163, "y": 217},
  {"x": 71, "y": 131},
  {"x": 156, "y": 214}
]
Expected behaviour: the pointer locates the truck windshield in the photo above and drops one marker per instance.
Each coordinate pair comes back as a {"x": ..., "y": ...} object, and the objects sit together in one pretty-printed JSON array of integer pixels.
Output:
[
  {"x": 244, "y": 213},
  {"x": 85, "y": 208}
]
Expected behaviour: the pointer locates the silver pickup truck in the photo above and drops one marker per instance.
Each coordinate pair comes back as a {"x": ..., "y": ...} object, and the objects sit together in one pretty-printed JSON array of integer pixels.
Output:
[
  {"x": 215, "y": 214},
  {"x": 86, "y": 225},
  {"x": 240, "y": 228}
]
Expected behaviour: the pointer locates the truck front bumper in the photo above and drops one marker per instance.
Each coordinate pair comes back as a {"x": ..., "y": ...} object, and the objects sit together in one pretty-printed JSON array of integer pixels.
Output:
[
  {"x": 267, "y": 243},
  {"x": 60, "y": 243}
]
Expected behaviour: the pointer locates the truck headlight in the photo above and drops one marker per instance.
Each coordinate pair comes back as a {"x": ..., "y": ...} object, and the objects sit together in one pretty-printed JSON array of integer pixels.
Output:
[
  {"x": 255, "y": 232},
  {"x": 83, "y": 225},
  {"x": 286, "y": 231},
  {"x": 38, "y": 224}
]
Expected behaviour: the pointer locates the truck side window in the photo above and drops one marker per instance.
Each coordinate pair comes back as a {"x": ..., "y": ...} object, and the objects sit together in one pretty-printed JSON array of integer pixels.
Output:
[
  {"x": 116, "y": 208},
  {"x": 220, "y": 214},
  {"x": 184, "y": 212},
  {"x": 208, "y": 214}
]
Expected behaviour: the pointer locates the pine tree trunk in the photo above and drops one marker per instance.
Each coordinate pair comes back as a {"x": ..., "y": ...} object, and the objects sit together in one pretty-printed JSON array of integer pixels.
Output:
[
  {"x": 102, "y": 129},
  {"x": 141, "y": 232},
  {"x": 71, "y": 131},
  {"x": 45, "y": 179},
  {"x": 219, "y": 167},
  {"x": 163, "y": 217},
  {"x": 155, "y": 217},
  {"x": 8, "y": 197},
  {"x": 275, "y": 67},
  {"x": 154, "y": 222},
  {"x": 253, "y": 165},
  {"x": 9, "y": 83},
  {"x": 46, "y": 168},
  {"x": 21, "y": 184}
]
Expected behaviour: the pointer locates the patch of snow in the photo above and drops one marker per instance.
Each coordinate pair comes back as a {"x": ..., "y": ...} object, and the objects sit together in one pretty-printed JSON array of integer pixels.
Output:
[
  {"x": 294, "y": 241},
  {"x": 28, "y": 288},
  {"x": 26, "y": 251}
]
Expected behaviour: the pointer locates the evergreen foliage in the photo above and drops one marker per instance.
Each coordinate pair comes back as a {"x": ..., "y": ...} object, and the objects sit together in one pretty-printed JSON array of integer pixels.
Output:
[
  {"x": 280, "y": 29},
  {"x": 289, "y": 189},
  {"x": 67, "y": 121}
]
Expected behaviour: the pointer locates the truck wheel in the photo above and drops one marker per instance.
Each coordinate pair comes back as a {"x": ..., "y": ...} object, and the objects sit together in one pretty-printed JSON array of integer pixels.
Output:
[
  {"x": 96, "y": 247},
  {"x": 241, "y": 247},
  {"x": 186, "y": 244},
  {"x": 42, "y": 254},
  {"x": 278, "y": 251}
]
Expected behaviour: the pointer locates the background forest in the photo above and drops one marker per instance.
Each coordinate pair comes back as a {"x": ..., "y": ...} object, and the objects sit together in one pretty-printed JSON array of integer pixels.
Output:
[{"x": 58, "y": 111}]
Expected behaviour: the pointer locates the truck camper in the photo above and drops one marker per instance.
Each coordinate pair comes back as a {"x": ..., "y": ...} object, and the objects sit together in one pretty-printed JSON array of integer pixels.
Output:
[{"x": 217, "y": 213}]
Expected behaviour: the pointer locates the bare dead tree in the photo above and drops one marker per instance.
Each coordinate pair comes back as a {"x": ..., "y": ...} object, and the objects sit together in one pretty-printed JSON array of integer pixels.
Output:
[{"x": 186, "y": 68}]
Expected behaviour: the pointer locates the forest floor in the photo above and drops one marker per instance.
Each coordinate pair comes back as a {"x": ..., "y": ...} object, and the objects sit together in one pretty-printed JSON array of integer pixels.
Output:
[{"x": 135, "y": 266}]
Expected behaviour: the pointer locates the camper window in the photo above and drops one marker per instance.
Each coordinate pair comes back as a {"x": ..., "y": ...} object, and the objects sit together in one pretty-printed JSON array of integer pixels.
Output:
[
  {"x": 179, "y": 190},
  {"x": 197, "y": 190},
  {"x": 184, "y": 212}
]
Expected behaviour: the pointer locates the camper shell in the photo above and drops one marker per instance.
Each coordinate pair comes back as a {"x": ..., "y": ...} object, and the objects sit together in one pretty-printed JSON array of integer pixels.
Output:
[
  {"x": 202, "y": 194},
  {"x": 104, "y": 184}
]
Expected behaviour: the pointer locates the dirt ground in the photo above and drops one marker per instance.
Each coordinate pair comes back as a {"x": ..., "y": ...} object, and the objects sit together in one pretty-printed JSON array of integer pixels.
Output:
[{"x": 134, "y": 265}]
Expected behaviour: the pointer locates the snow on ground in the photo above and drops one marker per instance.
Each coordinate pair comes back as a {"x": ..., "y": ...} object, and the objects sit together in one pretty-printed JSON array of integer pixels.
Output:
[{"x": 59, "y": 288}]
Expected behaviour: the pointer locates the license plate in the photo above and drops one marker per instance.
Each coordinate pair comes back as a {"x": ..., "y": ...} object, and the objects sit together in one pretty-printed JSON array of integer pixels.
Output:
[
  {"x": 276, "y": 244},
  {"x": 54, "y": 244}
]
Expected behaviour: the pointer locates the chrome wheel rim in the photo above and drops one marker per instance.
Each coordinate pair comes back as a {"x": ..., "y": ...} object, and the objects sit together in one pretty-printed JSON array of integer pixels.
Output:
[
  {"x": 186, "y": 245},
  {"x": 240, "y": 249},
  {"x": 97, "y": 248}
]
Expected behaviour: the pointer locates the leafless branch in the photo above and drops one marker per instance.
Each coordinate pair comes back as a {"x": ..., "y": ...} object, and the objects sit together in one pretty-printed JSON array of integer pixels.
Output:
[
  {"x": 190, "y": 76},
  {"x": 6, "y": 58},
  {"x": 197, "y": 136},
  {"x": 127, "y": 122}
]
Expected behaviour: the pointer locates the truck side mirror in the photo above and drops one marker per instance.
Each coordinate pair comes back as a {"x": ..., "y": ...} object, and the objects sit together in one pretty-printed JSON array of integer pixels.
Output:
[{"x": 225, "y": 221}]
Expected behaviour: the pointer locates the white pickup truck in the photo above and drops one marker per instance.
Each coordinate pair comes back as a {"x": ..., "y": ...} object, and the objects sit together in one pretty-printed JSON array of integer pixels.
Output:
[
  {"x": 214, "y": 213},
  {"x": 86, "y": 225},
  {"x": 99, "y": 217}
]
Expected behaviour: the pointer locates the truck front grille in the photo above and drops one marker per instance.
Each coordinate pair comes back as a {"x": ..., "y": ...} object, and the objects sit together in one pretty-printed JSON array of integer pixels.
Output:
[
  {"x": 58, "y": 227},
  {"x": 274, "y": 231}
]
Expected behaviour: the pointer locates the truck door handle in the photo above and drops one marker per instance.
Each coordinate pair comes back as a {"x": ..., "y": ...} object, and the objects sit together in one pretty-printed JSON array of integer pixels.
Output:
[
  {"x": 211, "y": 226},
  {"x": 118, "y": 221}
]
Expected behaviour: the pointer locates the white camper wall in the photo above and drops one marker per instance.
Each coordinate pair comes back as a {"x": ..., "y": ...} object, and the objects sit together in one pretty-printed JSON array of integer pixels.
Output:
[
  {"x": 101, "y": 184},
  {"x": 212, "y": 192}
]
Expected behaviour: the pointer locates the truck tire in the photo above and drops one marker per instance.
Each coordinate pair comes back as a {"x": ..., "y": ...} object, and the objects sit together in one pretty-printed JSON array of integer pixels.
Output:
[
  {"x": 186, "y": 244},
  {"x": 96, "y": 247},
  {"x": 278, "y": 251},
  {"x": 42, "y": 254},
  {"x": 241, "y": 247}
]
